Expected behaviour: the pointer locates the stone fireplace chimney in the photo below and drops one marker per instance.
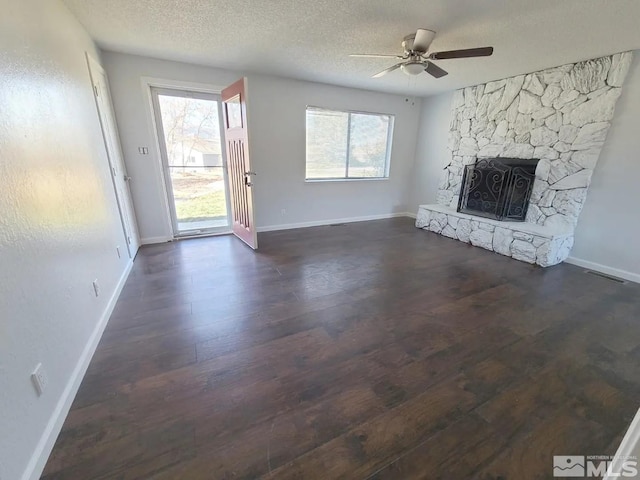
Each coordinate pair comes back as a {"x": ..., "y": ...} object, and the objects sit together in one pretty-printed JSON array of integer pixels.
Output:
[{"x": 560, "y": 116}]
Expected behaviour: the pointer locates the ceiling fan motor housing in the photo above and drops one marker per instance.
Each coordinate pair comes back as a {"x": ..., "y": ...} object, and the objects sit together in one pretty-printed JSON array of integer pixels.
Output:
[{"x": 407, "y": 43}]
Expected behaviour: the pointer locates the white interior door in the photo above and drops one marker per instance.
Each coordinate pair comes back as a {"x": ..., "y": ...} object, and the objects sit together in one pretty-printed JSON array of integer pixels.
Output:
[{"x": 114, "y": 154}]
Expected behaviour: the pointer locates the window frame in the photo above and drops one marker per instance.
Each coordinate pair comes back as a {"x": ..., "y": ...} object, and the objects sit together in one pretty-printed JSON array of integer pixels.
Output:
[{"x": 345, "y": 178}]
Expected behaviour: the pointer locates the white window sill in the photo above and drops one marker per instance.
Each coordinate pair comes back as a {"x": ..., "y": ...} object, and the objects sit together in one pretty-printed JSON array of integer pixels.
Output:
[{"x": 361, "y": 179}]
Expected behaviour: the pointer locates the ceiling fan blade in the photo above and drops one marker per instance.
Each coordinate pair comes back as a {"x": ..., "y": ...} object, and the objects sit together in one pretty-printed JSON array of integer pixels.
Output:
[
  {"x": 422, "y": 40},
  {"x": 469, "y": 52},
  {"x": 435, "y": 71},
  {"x": 374, "y": 55},
  {"x": 390, "y": 69}
]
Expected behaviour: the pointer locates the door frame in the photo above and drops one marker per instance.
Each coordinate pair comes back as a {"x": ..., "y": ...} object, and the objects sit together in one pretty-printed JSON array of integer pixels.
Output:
[
  {"x": 162, "y": 182},
  {"x": 128, "y": 218}
]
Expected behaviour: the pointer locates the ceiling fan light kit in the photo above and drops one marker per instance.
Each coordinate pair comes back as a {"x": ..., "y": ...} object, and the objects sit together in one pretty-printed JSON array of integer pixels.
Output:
[
  {"x": 417, "y": 57},
  {"x": 412, "y": 68}
]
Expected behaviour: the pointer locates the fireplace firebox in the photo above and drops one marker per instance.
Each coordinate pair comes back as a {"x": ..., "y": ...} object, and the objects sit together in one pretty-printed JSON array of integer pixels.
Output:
[{"x": 498, "y": 188}]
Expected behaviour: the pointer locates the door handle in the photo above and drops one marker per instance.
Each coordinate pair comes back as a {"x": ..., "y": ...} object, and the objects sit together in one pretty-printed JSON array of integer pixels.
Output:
[{"x": 247, "y": 176}]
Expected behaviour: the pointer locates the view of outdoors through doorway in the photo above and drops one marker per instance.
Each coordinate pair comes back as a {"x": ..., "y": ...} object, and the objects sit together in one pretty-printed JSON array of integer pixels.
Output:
[{"x": 193, "y": 160}]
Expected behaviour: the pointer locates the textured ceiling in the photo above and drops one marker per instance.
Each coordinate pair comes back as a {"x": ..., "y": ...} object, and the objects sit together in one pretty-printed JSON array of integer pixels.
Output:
[{"x": 311, "y": 39}]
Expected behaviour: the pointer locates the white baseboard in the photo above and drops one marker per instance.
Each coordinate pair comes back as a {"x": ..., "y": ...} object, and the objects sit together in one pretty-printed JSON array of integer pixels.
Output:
[
  {"x": 48, "y": 439},
  {"x": 614, "y": 272},
  {"x": 291, "y": 226},
  {"x": 319, "y": 223},
  {"x": 629, "y": 447},
  {"x": 154, "y": 240}
]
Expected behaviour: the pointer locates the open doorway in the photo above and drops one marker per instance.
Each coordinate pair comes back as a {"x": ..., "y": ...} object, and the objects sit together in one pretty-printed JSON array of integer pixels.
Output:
[{"x": 189, "y": 132}]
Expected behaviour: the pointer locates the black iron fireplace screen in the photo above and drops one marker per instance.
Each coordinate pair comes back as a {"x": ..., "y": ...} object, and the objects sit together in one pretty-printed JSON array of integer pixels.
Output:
[{"x": 498, "y": 188}]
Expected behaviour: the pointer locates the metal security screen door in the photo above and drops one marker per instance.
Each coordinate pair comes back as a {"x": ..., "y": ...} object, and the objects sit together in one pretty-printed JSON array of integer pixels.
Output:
[{"x": 189, "y": 131}]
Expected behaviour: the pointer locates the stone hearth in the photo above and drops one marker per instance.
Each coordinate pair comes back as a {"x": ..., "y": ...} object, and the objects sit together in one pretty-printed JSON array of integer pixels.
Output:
[
  {"x": 561, "y": 116},
  {"x": 523, "y": 241}
]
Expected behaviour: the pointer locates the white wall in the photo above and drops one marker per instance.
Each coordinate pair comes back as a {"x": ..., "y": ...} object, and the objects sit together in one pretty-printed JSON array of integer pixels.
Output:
[
  {"x": 608, "y": 231},
  {"x": 277, "y": 142},
  {"x": 431, "y": 150},
  {"x": 609, "y": 225},
  {"x": 277, "y": 122},
  {"x": 58, "y": 228}
]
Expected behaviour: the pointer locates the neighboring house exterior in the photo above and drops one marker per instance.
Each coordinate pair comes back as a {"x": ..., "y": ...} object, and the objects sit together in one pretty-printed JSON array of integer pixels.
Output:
[{"x": 195, "y": 156}]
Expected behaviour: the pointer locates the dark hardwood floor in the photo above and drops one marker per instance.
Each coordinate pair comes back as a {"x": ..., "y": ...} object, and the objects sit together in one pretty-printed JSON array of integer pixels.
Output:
[{"x": 369, "y": 350}]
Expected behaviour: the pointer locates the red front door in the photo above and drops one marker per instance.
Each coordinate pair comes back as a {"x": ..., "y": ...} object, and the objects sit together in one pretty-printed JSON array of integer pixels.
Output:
[{"x": 239, "y": 167}]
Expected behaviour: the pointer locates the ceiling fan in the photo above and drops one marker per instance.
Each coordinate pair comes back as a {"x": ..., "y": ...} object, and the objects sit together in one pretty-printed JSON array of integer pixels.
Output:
[{"x": 416, "y": 57}]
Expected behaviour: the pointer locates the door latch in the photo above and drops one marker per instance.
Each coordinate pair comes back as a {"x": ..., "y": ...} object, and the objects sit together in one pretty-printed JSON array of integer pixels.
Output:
[{"x": 247, "y": 178}]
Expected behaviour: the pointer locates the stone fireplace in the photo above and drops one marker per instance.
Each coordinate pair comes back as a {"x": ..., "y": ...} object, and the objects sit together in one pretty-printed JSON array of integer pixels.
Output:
[{"x": 560, "y": 116}]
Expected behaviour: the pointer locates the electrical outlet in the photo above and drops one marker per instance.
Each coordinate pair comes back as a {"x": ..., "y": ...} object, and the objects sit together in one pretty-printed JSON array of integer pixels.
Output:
[
  {"x": 96, "y": 287},
  {"x": 118, "y": 251},
  {"x": 39, "y": 379}
]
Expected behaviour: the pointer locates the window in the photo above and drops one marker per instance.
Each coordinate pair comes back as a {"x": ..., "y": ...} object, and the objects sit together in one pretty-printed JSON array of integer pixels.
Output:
[{"x": 347, "y": 145}]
